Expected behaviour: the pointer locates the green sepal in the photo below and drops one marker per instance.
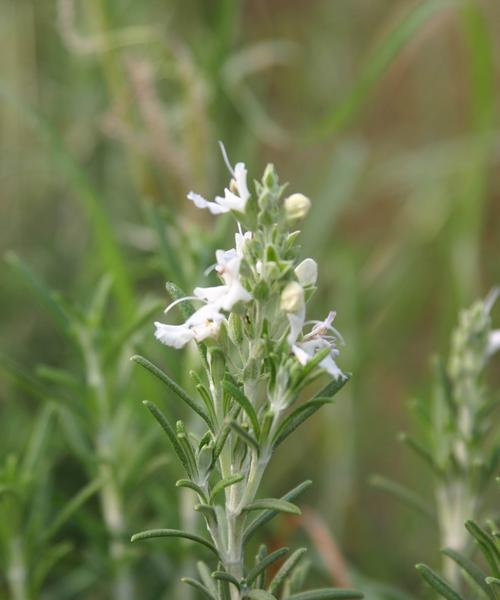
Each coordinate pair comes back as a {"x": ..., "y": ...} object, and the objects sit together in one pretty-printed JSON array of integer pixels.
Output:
[
  {"x": 175, "y": 533},
  {"x": 224, "y": 483},
  {"x": 275, "y": 504},
  {"x": 267, "y": 561},
  {"x": 175, "y": 387},
  {"x": 437, "y": 583}
]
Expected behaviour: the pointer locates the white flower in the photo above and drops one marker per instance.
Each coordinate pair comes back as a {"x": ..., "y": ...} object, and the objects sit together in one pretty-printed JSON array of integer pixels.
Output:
[
  {"x": 228, "y": 267},
  {"x": 307, "y": 272},
  {"x": 233, "y": 199},
  {"x": 494, "y": 342},
  {"x": 203, "y": 323},
  {"x": 494, "y": 336},
  {"x": 322, "y": 335}
]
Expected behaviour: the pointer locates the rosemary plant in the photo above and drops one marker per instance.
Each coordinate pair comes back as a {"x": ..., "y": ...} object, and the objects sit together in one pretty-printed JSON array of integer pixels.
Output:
[
  {"x": 259, "y": 354},
  {"x": 456, "y": 424}
]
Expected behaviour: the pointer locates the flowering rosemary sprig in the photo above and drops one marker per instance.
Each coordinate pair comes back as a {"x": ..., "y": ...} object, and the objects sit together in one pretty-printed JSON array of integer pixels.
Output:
[{"x": 259, "y": 353}]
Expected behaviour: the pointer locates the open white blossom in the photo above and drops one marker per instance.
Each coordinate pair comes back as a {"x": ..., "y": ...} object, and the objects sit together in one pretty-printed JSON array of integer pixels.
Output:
[
  {"x": 235, "y": 197},
  {"x": 322, "y": 335},
  {"x": 202, "y": 324}
]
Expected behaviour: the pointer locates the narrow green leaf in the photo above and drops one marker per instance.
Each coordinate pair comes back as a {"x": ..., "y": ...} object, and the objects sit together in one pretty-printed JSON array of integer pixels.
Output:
[
  {"x": 206, "y": 577},
  {"x": 474, "y": 572},
  {"x": 245, "y": 436},
  {"x": 285, "y": 570},
  {"x": 176, "y": 388},
  {"x": 223, "y": 576},
  {"x": 224, "y": 483},
  {"x": 207, "y": 510},
  {"x": 266, "y": 562},
  {"x": 298, "y": 416},
  {"x": 169, "y": 430},
  {"x": 187, "y": 483},
  {"x": 198, "y": 586},
  {"x": 487, "y": 544},
  {"x": 403, "y": 494},
  {"x": 175, "y": 533},
  {"x": 326, "y": 594},
  {"x": 312, "y": 406},
  {"x": 313, "y": 363},
  {"x": 266, "y": 516},
  {"x": 276, "y": 504},
  {"x": 223, "y": 434},
  {"x": 245, "y": 404},
  {"x": 259, "y": 595},
  {"x": 437, "y": 583}
]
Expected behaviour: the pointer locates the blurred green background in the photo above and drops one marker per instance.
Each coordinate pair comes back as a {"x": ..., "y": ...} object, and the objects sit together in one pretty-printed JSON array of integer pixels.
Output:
[{"x": 385, "y": 113}]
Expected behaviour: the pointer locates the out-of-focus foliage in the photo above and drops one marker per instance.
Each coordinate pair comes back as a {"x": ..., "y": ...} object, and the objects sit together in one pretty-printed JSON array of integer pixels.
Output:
[{"x": 385, "y": 113}]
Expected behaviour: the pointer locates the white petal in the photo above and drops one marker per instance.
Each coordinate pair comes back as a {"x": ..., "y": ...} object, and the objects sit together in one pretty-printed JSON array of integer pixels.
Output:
[
  {"x": 240, "y": 176},
  {"x": 302, "y": 356},
  {"x": 209, "y": 312},
  {"x": 231, "y": 201},
  {"x": 296, "y": 321},
  {"x": 200, "y": 202},
  {"x": 176, "y": 336},
  {"x": 494, "y": 342},
  {"x": 208, "y": 329},
  {"x": 307, "y": 272},
  {"x": 329, "y": 365},
  {"x": 240, "y": 240},
  {"x": 236, "y": 293},
  {"x": 211, "y": 294}
]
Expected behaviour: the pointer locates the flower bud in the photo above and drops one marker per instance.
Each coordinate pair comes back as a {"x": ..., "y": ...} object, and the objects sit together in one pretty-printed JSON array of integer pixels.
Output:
[
  {"x": 235, "y": 328},
  {"x": 292, "y": 297},
  {"x": 297, "y": 206},
  {"x": 307, "y": 272},
  {"x": 217, "y": 364}
]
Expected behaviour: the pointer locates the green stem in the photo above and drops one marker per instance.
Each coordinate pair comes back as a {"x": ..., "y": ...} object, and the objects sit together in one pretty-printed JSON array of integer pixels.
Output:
[{"x": 16, "y": 571}]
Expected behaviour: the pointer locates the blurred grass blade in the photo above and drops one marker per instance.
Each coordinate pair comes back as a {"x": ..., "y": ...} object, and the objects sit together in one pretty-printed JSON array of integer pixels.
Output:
[
  {"x": 72, "y": 506},
  {"x": 377, "y": 65},
  {"x": 45, "y": 294},
  {"x": 404, "y": 495},
  {"x": 91, "y": 201},
  {"x": 41, "y": 434}
]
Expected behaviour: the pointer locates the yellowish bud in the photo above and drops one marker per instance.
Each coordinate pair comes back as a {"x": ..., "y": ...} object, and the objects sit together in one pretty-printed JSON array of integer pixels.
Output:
[
  {"x": 307, "y": 272},
  {"x": 292, "y": 297},
  {"x": 297, "y": 206}
]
